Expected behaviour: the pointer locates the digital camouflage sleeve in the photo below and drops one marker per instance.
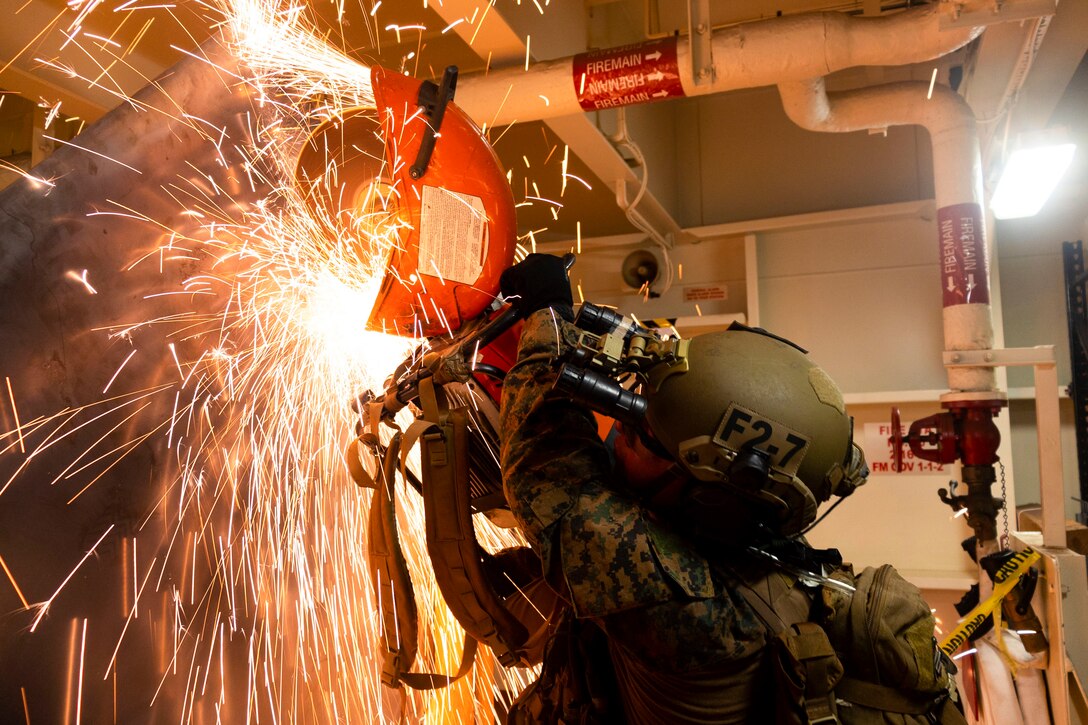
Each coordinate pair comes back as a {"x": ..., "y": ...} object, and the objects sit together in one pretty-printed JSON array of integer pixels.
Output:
[{"x": 654, "y": 594}]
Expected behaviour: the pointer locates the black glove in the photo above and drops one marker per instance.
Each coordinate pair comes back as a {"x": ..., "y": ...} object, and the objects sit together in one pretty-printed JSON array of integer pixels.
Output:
[{"x": 538, "y": 281}]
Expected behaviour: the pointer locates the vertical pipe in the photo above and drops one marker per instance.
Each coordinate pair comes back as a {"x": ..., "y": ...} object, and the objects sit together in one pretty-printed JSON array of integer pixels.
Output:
[
  {"x": 957, "y": 174},
  {"x": 973, "y": 400}
]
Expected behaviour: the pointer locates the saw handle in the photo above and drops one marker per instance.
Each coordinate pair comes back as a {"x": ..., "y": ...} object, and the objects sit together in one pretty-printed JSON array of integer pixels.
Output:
[
  {"x": 509, "y": 317},
  {"x": 403, "y": 392},
  {"x": 433, "y": 99}
]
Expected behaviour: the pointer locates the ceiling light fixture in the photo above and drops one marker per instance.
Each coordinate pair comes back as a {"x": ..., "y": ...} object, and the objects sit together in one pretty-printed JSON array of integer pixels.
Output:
[{"x": 1031, "y": 173}]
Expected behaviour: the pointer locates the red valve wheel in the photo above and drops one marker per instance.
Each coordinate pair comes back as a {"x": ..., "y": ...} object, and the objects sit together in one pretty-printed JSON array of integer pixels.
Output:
[{"x": 896, "y": 439}]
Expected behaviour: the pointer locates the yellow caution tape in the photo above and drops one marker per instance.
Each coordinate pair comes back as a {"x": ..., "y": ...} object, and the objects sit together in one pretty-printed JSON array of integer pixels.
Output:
[{"x": 1004, "y": 580}]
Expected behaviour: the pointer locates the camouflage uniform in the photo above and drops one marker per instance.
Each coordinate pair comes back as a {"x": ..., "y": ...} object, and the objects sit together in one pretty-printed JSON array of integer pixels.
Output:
[{"x": 686, "y": 645}]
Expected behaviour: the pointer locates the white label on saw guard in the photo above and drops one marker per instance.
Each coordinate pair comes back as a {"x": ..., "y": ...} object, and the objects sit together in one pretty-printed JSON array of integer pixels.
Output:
[{"x": 452, "y": 235}]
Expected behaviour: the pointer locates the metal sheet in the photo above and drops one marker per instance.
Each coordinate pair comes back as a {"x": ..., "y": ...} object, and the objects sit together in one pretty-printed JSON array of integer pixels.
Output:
[{"x": 152, "y": 157}]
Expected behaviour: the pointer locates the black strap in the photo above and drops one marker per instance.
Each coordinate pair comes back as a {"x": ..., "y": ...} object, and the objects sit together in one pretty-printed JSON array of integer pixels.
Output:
[{"x": 428, "y": 681}]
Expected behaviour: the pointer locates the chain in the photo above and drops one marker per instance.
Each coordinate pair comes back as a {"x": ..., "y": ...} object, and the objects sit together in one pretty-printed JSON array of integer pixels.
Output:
[{"x": 1004, "y": 507}]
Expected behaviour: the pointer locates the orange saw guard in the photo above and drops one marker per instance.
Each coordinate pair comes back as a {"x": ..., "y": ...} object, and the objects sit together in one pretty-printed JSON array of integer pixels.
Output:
[{"x": 440, "y": 241}]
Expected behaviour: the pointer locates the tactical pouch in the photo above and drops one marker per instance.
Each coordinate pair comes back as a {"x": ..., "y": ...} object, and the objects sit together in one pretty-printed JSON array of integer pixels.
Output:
[
  {"x": 806, "y": 671},
  {"x": 866, "y": 657}
]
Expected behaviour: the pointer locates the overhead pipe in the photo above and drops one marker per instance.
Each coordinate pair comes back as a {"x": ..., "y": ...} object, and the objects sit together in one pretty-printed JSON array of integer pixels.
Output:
[{"x": 749, "y": 55}]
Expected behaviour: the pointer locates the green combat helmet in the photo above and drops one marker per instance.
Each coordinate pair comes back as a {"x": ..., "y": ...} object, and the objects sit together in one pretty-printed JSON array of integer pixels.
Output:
[{"x": 751, "y": 411}]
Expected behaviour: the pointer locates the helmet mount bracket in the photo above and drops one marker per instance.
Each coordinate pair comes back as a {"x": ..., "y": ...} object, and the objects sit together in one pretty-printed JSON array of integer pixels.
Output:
[{"x": 750, "y": 468}]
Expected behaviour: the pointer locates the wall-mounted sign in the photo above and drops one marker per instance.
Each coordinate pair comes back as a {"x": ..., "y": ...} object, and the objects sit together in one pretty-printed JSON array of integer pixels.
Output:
[
  {"x": 706, "y": 293},
  {"x": 878, "y": 453}
]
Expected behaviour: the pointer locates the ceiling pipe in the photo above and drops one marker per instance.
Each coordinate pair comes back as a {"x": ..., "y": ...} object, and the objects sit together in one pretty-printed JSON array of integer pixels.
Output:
[
  {"x": 957, "y": 177},
  {"x": 744, "y": 56}
]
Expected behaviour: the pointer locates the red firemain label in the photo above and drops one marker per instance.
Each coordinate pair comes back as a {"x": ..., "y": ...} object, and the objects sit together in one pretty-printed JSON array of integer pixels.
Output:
[
  {"x": 638, "y": 73},
  {"x": 965, "y": 274}
]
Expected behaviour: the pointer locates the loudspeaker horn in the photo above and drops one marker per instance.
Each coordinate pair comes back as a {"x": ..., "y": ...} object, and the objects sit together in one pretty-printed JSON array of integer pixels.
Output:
[{"x": 640, "y": 268}]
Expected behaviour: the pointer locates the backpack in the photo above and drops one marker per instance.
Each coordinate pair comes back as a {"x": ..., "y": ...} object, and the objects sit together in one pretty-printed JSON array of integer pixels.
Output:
[{"x": 866, "y": 657}]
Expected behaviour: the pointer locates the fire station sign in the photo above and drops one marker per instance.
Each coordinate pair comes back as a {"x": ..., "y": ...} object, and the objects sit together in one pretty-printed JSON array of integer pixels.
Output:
[
  {"x": 878, "y": 453},
  {"x": 638, "y": 73}
]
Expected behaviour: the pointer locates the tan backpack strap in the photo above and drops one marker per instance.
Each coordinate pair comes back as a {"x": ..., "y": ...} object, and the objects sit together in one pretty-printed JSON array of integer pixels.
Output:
[
  {"x": 368, "y": 438},
  {"x": 433, "y": 401},
  {"x": 435, "y": 413},
  {"x": 352, "y": 454},
  {"x": 396, "y": 599},
  {"x": 411, "y": 437},
  {"x": 451, "y": 537},
  {"x": 762, "y": 609},
  {"x": 809, "y": 645},
  {"x": 455, "y": 555},
  {"x": 881, "y": 697}
]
